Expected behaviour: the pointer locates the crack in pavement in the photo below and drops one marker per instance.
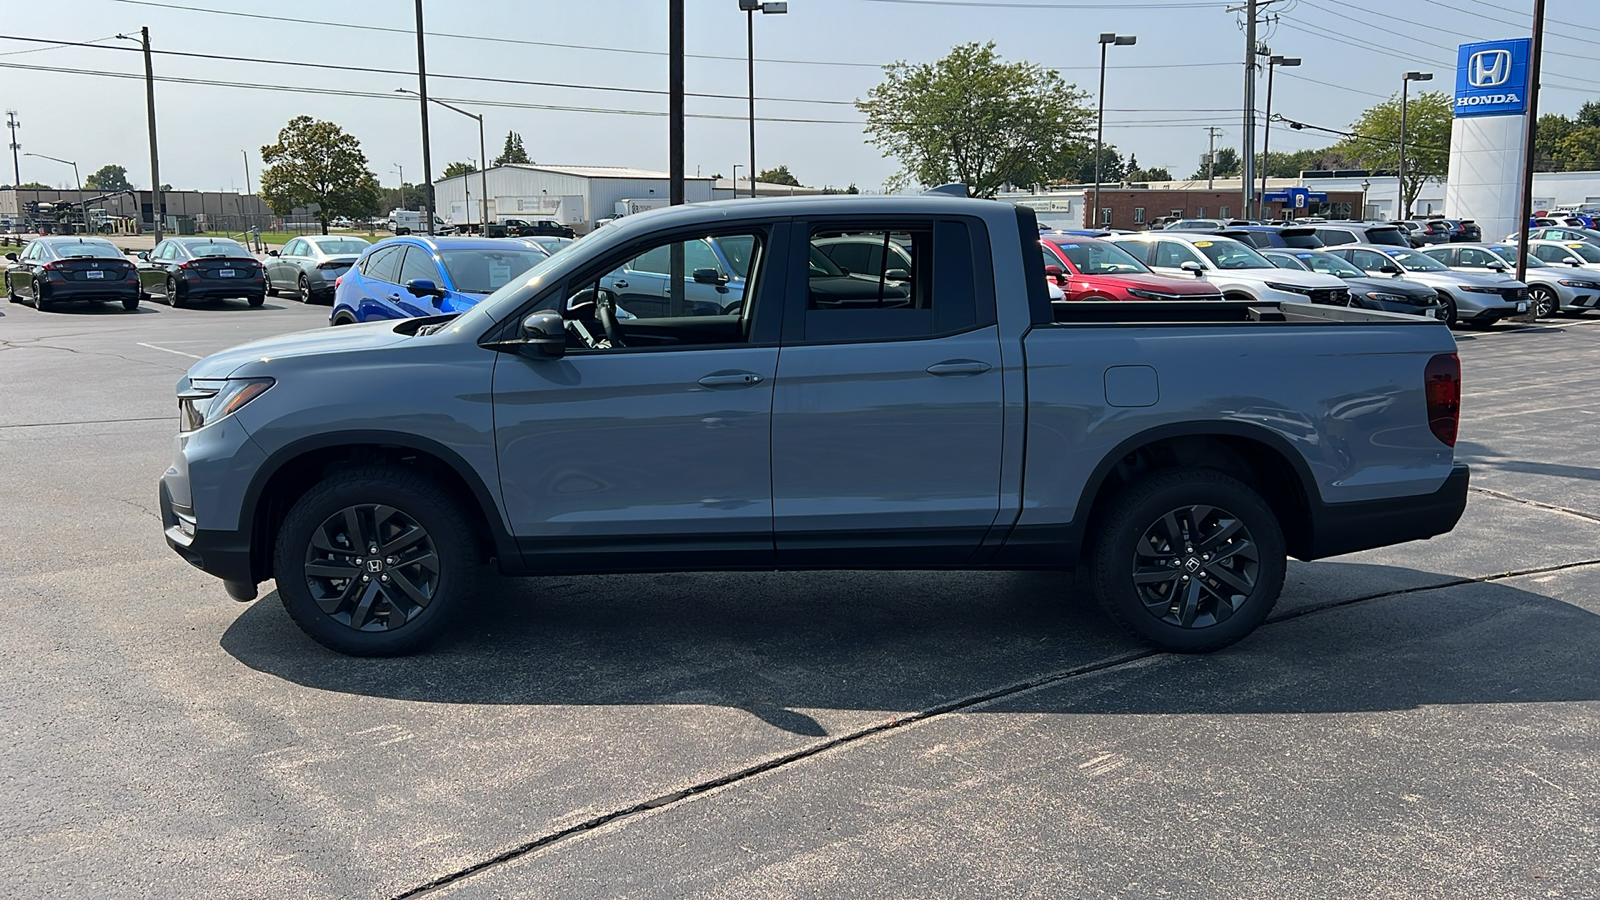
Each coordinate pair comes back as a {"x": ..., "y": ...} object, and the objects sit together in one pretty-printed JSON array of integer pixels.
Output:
[
  {"x": 1537, "y": 504},
  {"x": 87, "y": 422},
  {"x": 894, "y": 724}
]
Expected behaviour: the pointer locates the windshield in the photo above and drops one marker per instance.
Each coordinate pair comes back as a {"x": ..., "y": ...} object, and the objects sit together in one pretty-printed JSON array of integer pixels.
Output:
[
  {"x": 88, "y": 250},
  {"x": 218, "y": 248},
  {"x": 1509, "y": 254},
  {"x": 1391, "y": 237},
  {"x": 820, "y": 265},
  {"x": 1099, "y": 258},
  {"x": 1412, "y": 261},
  {"x": 1232, "y": 255},
  {"x": 483, "y": 271},
  {"x": 1589, "y": 252},
  {"x": 1284, "y": 261},
  {"x": 342, "y": 246}
]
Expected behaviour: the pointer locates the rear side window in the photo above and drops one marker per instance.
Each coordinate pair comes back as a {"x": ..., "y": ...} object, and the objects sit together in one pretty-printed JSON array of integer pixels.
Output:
[
  {"x": 1387, "y": 237},
  {"x": 1301, "y": 240},
  {"x": 1550, "y": 254},
  {"x": 929, "y": 286},
  {"x": 1331, "y": 237},
  {"x": 384, "y": 263}
]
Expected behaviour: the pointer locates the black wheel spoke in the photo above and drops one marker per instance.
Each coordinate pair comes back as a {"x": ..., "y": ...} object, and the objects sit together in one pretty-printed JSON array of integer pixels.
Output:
[
  {"x": 367, "y": 590},
  {"x": 362, "y": 613},
  {"x": 332, "y": 568},
  {"x": 428, "y": 562},
  {"x": 1229, "y": 528},
  {"x": 1239, "y": 583},
  {"x": 1194, "y": 566},
  {"x": 1239, "y": 549},
  {"x": 1154, "y": 574},
  {"x": 332, "y": 605},
  {"x": 402, "y": 541},
  {"x": 409, "y": 590},
  {"x": 1189, "y": 603}
]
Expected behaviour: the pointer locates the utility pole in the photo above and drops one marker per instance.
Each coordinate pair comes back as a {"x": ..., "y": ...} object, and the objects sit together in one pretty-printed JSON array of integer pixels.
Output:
[
  {"x": 1248, "y": 151},
  {"x": 1525, "y": 202},
  {"x": 402, "y": 170},
  {"x": 156, "y": 205},
  {"x": 16, "y": 165},
  {"x": 427, "y": 156},
  {"x": 675, "y": 101},
  {"x": 1211, "y": 156}
]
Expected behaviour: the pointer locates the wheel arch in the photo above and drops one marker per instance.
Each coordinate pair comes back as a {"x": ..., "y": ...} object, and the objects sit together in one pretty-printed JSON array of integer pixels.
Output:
[{"x": 295, "y": 468}]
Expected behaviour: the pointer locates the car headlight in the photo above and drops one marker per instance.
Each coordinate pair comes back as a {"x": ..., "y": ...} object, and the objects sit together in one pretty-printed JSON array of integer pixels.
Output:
[
  {"x": 1585, "y": 285},
  {"x": 1383, "y": 297},
  {"x": 1289, "y": 288},
  {"x": 206, "y": 402},
  {"x": 1150, "y": 295},
  {"x": 1479, "y": 289}
]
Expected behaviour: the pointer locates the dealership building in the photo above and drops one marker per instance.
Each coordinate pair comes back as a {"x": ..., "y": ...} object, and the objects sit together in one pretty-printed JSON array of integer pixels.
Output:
[{"x": 572, "y": 195}]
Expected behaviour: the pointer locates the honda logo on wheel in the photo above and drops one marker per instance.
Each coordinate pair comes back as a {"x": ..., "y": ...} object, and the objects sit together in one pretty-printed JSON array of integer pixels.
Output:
[{"x": 1489, "y": 68}]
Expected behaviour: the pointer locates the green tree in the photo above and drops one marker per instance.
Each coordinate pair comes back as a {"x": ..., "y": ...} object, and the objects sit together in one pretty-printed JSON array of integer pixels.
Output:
[
  {"x": 1138, "y": 173},
  {"x": 108, "y": 178},
  {"x": 1429, "y": 117},
  {"x": 459, "y": 168},
  {"x": 1552, "y": 129},
  {"x": 1226, "y": 165},
  {"x": 778, "y": 175},
  {"x": 972, "y": 118},
  {"x": 1580, "y": 150},
  {"x": 316, "y": 163},
  {"x": 513, "y": 152},
  {"x": 1079, "y": 168}
]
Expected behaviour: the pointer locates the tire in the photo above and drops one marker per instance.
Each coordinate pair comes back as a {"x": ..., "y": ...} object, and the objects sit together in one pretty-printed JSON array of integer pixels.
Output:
[
  {"x": 304, "y": 285},
  {"x": 256, "y": 301},
  {"x": 1544, "y": 301},
  {"x": 130, "y": 304},
  {"x": 1206, "y": 612},
  {"x": 405, "y": 605},
  {"x": 11, "y": 294},
  {"x": 271, "y": 291},
  {"x": 343, "y": 319},
  {"x": 39, "y": 302},
  {"x": 172, "y": 293},
  {"x": 1447, "y": 310}
]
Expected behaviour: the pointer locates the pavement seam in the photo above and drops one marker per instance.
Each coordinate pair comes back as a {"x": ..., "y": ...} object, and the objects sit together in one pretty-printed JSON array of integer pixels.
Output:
[
  {"x": 1537, "y": 504},
  {"x": 87, "y": 422},
  {"x": 965, "y": 703}
]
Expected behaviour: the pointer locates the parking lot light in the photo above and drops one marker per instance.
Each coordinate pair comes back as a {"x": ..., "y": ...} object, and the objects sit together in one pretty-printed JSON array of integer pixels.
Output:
[
  {"x": 1266, "y": 127},
  {"x": 749, "y": 7},
  {"x": 1107, "y": 39},
  {"x": 1402, "y": 206}
]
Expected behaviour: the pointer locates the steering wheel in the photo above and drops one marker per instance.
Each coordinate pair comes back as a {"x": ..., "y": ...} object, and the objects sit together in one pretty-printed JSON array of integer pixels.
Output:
[{"x": 605, "y": 309}]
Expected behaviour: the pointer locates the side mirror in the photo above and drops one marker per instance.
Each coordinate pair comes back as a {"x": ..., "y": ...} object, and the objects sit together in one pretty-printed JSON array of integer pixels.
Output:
[
  {"x": 144, "y": 255},
  {"x": 709, "y": 276},
  {"x": 422, "y": 287},
  {"x": 11, "y": 256},
  {"x": 544, "y": 334},
  {"x": 1192, "y": 266},
  {"x": 896, "y": 275},
  {"x": 1574, "y": 263},
  {"x": 1497, "y": 267},
  {"x": 272, "y": 253},
  {"x": 1054, "y": 271},
  {"x": 1389, "y": 269}
]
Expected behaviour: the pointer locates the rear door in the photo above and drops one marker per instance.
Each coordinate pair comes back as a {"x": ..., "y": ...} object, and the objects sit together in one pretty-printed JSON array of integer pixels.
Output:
[{"x": 887, "y": 417}]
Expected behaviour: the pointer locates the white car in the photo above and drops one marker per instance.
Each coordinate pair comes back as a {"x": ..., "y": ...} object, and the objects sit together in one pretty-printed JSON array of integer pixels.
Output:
[
  {"x": 1567, "y": 253},
  {"x": 1233, "y": 266}
]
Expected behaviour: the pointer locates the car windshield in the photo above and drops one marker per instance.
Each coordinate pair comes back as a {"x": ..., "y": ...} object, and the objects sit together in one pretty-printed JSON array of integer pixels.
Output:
[
  {"x": 1099, "y": 258},
  {"x": 1328, "y": 264},
  {"x": 217, "y": 248},
  {"x": 1232, "y": 255},
  {"x": 88, "y": 250},
  {"x": 1284, "y": 261},
  {"x": 821, "y": 266},
  {"x": 1412, "y": 261},
  {"x": 342, "y": 246},
  {"x": 1390, "y": 237},
  {"x": 1509, "y": 254},
  {"x": 486, "y": 270},
  {"x": 1589, "y": 252}
]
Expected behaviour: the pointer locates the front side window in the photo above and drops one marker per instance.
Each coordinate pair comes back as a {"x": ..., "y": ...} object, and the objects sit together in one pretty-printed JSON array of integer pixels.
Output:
[
  {"x": 1283, "y": 261},
  {"x": 384, "y": 263},
  {"x": 1508, "y": 256},
  {"x": 1328, "y": 264},
  {"x": 1368, "y": 260},
  {"x": 1412, "y": 261},
  {"x": 1232, "y": 255},
  {"x": 1479, "y": 259},
  {"x": 295, "y": 247},
  {"x": 1172, "y": 255},
  {"x": 418, "y": 265},
  {"x": 1550, "y": 254}
]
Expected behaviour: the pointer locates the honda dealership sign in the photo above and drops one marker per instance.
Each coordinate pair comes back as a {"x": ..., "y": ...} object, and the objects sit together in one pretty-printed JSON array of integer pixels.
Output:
[
  {"x": 1487, "y": 138},
  {"x": 1492, "y": 78}
]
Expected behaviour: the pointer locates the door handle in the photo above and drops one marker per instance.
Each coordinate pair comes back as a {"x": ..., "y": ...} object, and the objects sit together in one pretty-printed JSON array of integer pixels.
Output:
[
  {"x": 959, "y": 367},
  {"x": 621, "y": 283},
  {"x": 731, "y": 379}
]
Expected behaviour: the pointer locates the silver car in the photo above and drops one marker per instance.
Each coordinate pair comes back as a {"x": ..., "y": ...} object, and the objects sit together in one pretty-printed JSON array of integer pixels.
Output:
[
  {"x": 311, "y": 265},
  {"x": 1551, "y": 289},
  {"x": 1479, "y": 299}
]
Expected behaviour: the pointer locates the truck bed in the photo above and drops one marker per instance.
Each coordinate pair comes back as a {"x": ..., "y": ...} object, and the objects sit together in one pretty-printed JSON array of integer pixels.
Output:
[{"x": 1180, "y": 312}]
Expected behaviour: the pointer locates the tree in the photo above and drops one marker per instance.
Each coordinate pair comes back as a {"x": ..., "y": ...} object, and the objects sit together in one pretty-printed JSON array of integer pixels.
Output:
[
  {"x": 108, "y": 178},
  {"x": 1429, "y": 117},
  {"x": 1137, "y": 173},
  {"x": 778, "y": 175},
  {"x": 514, "y": 152},
  {"x": 1580, "y": 150},
  {"x": 1080, "y": 164},
  {"x": 459, "y": 168},
  {"x": 316, "y": 163},
  {"x": 972, "y": 118},
  {"x": 1226, "y": 165}
]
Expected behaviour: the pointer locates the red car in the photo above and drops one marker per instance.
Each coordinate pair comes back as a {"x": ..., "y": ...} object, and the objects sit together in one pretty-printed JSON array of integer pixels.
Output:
[{"x": 1090, "y": 269}]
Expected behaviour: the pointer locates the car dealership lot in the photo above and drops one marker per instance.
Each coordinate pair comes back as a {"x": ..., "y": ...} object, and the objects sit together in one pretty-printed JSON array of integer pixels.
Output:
[{"x": 1419, "y": 719}]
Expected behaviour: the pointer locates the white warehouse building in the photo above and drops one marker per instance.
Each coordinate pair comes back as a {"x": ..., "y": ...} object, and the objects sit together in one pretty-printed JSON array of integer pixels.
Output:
[{"x": 572, "y": 195}]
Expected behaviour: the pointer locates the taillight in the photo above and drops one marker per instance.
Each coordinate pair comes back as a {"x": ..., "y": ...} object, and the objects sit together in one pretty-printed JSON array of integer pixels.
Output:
[
  {"x": 1441, "y": 383},
  {"x": 338, "y": 281}
]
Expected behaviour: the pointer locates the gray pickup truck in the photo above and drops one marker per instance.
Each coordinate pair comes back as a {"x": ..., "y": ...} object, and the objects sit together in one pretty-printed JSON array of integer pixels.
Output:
[{"x": 940, "y": 413}]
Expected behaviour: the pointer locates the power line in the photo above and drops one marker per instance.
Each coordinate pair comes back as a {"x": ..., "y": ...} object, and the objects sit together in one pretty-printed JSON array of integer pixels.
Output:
[{"x": 1047, "y": 7}]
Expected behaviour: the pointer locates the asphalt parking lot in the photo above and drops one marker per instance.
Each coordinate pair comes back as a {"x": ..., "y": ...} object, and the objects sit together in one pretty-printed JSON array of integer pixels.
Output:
[{"x": 1422, "y": 720}]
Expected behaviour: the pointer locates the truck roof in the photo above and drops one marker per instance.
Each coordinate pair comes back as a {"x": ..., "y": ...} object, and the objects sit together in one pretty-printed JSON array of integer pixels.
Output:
[{"x": 833, "y": 204}]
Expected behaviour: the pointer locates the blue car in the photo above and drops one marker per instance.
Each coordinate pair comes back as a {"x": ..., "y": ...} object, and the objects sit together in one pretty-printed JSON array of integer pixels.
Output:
[
  {"x": 416, "y": 275},
  {"x": 714, "y": 270}
]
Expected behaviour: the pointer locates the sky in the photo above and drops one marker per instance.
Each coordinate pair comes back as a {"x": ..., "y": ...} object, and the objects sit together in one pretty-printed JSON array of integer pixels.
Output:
[{"x": 1184, "y": 74}]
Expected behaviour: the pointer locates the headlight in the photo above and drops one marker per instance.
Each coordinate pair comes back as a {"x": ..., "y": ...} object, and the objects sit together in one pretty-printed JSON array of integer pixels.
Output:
[
  {"x": 1478, "y": 289},
  {"x": 1290, "y": 288},
  {"x": 1150, "y": 295},
  {"x": 206, "y": 402},
  {"x": 1382, "y": 297},
  {"x": 1586, "y": 285}
]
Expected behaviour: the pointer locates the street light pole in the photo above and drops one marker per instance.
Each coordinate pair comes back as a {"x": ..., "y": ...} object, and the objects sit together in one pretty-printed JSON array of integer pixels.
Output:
[
  {"x": 68, "y": 162},
  {"x": 736, "y": 168},
  {"x": 1402, "y": 205},
  {"x": 1266, "y": 127},
  {"x": 1106, "y": 40},
  {"x": 767, "y": 8},
  {"x": 483, "y": 171}
]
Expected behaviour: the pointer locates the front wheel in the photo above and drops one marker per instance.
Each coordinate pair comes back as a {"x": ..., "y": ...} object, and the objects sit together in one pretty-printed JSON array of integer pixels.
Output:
[
  {"x": 376, "y": 561},
  {"x": 1190, "y": 560},
  {"x": 131, "y": 303},
  {"x": 1447, "y": 310},
  {"x": 1544, "y": 300},
  {"x": 256, "y": 300}
]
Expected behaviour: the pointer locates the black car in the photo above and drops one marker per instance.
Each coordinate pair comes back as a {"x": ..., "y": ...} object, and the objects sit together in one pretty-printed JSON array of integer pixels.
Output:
[
  {"x": 529, "y": 228},
  {"x": 62, "y": 269},
  {"x": 186, "y": 270},
  {"x": 1366, "y": 291}
]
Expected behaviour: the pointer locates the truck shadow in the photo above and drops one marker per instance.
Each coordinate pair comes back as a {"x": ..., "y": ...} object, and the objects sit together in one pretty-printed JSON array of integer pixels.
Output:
[{"x": 778, "y": 644}]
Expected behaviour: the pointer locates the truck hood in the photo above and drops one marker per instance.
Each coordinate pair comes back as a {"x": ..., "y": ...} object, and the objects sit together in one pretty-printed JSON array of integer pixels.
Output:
[{"x": 302, "y": 343}]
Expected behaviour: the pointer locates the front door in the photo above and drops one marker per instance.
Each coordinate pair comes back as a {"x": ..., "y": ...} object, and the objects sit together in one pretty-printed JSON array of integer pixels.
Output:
[
  {"x": 648, "y": 452},
  {"x": 887, "y": 420}
]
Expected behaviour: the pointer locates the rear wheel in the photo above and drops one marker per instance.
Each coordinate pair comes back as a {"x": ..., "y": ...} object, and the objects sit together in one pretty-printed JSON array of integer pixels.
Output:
[
  {"x": 376, "y": 561},
  {"x": 172, "y": 293},
  {"x": 1544, "y": 301},
  {"x": 131, "y": 303},
  {"x": 1189, "y": 560},
  {"x": 39, "y": 302},
  {"x": 305, "y": 288},
  {"x": 256, "y": 300},
  {"x": 271, "y": 291},
  {"x": 343, "y": 318}
]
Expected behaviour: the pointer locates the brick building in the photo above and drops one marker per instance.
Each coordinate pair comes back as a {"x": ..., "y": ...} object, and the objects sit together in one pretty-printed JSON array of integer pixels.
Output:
[{"x": 1135, "y": 208}]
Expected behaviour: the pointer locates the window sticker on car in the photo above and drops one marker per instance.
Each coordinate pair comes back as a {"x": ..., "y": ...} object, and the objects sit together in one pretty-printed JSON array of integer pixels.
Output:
[
  {"x": 1202, "y": 243},
  {"x": 1068, "y": 246},
  {"x": 498, "y": 275}
]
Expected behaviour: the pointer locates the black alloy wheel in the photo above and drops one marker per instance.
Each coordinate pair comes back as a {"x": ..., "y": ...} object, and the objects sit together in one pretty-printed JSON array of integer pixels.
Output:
[
  {"x": 11, "y": 293},
  {"x": 1447, "y": 309},
  {"x": 305, "y": 288},
  {"x": 375, "y": 561},
  {"x": 39, "y": 301},
  {"x": 266, "y": 275},
  {"x": 1191, "y": 560},
  {"x": 1544, "y": 300}
]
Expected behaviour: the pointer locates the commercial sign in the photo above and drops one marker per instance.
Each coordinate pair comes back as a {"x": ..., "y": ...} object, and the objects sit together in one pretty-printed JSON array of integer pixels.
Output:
[{"x": 1492, "y": 78}]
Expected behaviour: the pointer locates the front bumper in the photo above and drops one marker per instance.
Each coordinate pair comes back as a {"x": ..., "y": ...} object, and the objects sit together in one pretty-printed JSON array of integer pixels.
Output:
[
  {"x": 1362, "y": 525},
  {"x": 225, "y": 554}
]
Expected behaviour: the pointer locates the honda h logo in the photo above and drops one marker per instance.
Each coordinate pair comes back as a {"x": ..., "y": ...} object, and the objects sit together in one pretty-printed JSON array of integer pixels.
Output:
[{"x": 1489, "y": 68}]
